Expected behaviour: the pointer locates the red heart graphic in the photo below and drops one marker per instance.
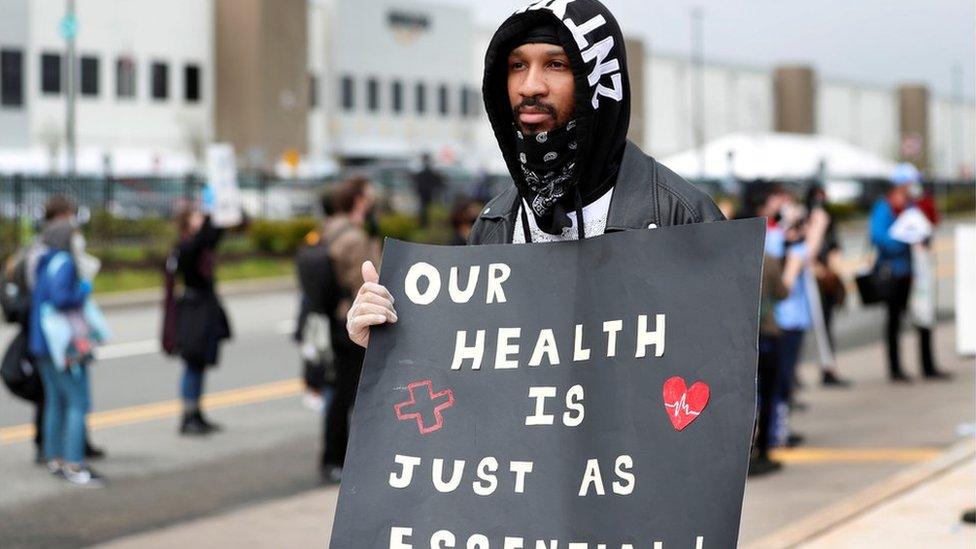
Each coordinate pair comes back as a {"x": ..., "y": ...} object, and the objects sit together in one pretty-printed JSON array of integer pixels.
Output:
[{"x": 684, "y": 404}]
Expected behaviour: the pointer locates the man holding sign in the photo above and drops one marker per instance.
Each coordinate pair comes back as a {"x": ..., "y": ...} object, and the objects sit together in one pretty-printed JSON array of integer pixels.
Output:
[{"x": 592, "y": 394}]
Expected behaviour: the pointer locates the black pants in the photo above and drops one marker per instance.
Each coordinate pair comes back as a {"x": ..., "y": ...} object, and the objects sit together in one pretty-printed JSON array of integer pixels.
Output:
[
  {"x": 349, "y": 364},
  {"x": 768, "y": 371},
  {"x": 897, "y": 303}
]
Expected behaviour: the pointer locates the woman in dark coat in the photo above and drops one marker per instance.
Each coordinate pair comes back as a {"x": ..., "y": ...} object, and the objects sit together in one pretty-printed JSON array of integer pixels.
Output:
[{"x": 200, "y": 321}]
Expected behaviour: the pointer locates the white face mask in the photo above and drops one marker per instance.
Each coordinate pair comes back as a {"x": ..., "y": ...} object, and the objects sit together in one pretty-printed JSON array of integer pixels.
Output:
[{"x": 78, "y": 244}]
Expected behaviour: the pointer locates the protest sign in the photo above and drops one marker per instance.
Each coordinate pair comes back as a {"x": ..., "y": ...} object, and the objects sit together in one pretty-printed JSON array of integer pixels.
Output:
[
  {"x": 581, "y": 395},
  {"x": 222, "y": 181}
]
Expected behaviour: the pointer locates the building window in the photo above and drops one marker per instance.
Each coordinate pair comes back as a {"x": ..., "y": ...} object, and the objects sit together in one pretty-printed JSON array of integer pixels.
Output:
[
  {"x": 442, "y": 100},
  {"x": 11, "y": 78},
  {"x": 465, "y": 100},
  {"x": 159, "y": 80},
  {"x": 50, "y": 73},
  {"x": 313, "y": 91},
  {"x": 396, "y": 96},
  {"x": 348, "y": 94},
  {"x": 89, "y": 76},
  {"x": 191, "y": 83},
  {"x": 125, "y": 77},
  {"x": 421, "y": 97},
  {"x": 372, "y": 95},
  {"x": 474, "y": 106}
]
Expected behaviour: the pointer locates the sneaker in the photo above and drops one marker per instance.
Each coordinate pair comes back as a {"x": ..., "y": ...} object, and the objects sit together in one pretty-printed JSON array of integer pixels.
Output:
[
  {"x": 83, "y": 476},
  {"x": 54, "y": 466},
  {"x": 314, "y": 402},
  {"x": 969, "y": 516},
  {"x": 213, "y": 427},
  {"x": 93, "y": 452},
  {"x": 794, "y": 440},
  {"x": 194, "y": 426},
  {"x": 330, "y": 474},
  {"x": 899, "y": 378},
  {"x": 763, "y": 466},
  {"x": 830, "y": 379},
  {"x": 937, "y": 375}
]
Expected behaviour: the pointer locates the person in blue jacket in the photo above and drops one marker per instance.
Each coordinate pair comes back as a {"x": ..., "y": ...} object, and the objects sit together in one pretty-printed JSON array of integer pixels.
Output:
[
  {"x": 60, "y": 292},
  {"x": 895, "y": 261}
]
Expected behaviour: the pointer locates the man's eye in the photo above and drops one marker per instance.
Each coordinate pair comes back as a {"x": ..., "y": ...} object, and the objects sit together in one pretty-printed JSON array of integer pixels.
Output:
[
  {"x": 515, "y": 65},
  {"x": 557, "y": 65}
]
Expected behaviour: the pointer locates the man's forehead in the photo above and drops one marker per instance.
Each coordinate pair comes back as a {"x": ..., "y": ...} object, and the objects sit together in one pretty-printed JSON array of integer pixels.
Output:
[{"x": 550, "y": 50}]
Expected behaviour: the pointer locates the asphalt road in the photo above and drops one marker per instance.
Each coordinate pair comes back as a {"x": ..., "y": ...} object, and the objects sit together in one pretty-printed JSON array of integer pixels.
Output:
[{"x": 270, "y": 444}]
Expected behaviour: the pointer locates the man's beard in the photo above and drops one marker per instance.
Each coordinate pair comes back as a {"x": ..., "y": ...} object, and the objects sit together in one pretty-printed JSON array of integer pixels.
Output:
[{"x": 533, "y": 129}]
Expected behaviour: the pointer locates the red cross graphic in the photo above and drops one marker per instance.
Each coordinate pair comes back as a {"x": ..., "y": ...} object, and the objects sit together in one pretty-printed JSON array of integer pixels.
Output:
[{"x": 409, "y": 409}]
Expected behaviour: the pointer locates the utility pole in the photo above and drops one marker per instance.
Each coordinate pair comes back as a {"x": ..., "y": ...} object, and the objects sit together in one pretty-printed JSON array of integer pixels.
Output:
[
  {"x": 698, "y": 83},
  {"x": 69, "y": 29},
  {"x": 956, "y": 114}
]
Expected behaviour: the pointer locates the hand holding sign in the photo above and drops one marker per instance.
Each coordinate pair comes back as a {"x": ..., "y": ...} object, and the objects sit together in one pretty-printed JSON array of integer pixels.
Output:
[{"x": 373, "y": 306}]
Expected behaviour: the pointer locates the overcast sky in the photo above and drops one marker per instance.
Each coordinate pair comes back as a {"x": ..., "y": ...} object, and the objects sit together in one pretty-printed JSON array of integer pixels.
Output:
[{"x": 878, "y": 42}]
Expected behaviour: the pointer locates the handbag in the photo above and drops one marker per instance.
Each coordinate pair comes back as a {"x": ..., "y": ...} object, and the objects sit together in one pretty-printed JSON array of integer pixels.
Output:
[
  {"x": 19, "y": 373},
  {"x": 874, "y": 285}
]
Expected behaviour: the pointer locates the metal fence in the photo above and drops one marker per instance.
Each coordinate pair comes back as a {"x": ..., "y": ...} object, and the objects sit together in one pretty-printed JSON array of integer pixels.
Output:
[{"x": 127, "y": 202}]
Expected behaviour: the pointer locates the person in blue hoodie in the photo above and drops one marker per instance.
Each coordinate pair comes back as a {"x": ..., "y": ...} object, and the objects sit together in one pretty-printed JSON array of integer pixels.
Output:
[
  {"x": 895, "y": 261},
  {"x": 59, "y": 341}
]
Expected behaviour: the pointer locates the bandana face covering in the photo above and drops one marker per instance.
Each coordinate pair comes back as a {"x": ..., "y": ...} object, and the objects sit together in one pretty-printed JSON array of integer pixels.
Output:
[{"x": 548, "y": 161}]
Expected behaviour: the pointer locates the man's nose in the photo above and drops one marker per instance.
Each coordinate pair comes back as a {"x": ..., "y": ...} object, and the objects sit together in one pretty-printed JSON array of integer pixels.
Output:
[{"x": 534, "y": 84}]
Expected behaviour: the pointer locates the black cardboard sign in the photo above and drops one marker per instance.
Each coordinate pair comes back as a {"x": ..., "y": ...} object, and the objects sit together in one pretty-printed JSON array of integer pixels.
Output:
[{"x": 576, "y": 395}]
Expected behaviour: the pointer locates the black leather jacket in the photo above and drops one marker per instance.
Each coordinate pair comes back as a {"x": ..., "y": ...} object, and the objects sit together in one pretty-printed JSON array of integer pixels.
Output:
[{"x": 646, "y": 195}]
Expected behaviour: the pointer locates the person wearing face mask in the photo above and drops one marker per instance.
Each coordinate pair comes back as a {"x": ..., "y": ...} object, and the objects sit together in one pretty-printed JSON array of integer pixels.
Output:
[
  {"x": 64, "y": 326},
  {"x": 557, "y": 95},
  {"x": 349, "y": 245}
]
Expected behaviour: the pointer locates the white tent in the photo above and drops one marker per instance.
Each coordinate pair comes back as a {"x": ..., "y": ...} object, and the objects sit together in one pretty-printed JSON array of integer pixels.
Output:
[{"x": 780, "y": 155}]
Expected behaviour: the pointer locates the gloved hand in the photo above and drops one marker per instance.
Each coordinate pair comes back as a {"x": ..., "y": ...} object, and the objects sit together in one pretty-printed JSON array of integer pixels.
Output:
[{"x": 85, "y": 286}]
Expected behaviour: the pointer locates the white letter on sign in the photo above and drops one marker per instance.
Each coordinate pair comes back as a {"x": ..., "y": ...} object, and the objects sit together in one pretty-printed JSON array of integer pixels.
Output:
[
  {"x": 396, "y": 537},
  {"x": 408, "y": 463},
  {"x": 410, "y": 284},
  {"x": 540, "y": 417},
  {"x": 462, "y": 351},
  {"x": 645, "y": 338},
  {"x": 497, "y": 273}
]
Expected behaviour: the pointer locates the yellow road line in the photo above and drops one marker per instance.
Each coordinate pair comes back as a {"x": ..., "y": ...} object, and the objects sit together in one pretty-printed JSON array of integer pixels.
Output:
[
  {"x": 854, "y": 455},
  {"x": 169, "y": 408}
]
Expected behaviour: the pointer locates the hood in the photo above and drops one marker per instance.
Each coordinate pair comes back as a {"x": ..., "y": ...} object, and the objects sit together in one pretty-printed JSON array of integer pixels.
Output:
[
  {"x": 57, "y": 235},
  {"x": 595, "y": 47}
]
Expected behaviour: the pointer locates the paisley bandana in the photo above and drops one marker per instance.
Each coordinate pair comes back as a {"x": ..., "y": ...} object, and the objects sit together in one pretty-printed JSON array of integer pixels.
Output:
[{"x": 548, "y": 161}]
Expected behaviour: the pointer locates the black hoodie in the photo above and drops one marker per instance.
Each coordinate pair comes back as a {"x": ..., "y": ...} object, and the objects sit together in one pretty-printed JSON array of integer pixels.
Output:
[{"x": 595, "y": 46}]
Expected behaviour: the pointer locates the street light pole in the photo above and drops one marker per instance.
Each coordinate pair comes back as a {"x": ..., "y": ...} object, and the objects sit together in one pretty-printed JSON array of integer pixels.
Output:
[
  {"x": 68, "y": 30},
  {"x": 698, "y": 106}
]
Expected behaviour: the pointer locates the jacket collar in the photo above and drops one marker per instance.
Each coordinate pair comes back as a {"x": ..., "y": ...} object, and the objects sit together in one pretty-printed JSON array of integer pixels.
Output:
[{"x": 632, "y": 193}]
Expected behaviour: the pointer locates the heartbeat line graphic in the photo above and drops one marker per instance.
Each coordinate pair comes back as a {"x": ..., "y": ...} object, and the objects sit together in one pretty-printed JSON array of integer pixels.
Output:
[{"x": 681, "y": 407}]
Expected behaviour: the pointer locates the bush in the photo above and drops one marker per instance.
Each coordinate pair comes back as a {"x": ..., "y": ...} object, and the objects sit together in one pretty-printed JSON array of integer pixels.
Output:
[
  {"x": 398, "y": 225},
  {"x": 280, "y": 237}
]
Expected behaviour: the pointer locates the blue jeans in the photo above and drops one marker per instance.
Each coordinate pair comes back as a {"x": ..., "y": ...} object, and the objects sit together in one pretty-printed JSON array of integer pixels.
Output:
[
  {"x": 790, "y": 347},
  {"x": 191, "y": 384},
  {"x": 66, "y": 404}
]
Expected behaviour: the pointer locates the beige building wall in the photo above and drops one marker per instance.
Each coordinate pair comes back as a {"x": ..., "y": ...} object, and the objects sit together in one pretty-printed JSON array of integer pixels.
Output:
[
  {"x": 913, "y": 127},
  {"x": 635, "y": 71},
  {"x": 262, "y": 78},
  {"x": 795, "y": 90}
]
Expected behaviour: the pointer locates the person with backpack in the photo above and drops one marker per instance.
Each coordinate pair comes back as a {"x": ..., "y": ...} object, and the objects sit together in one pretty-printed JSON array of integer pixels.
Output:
[
  {"x": 19, "y": 372},
  {"x": 195, "y": 322},
  {"x": 64, "y": 325},
  {"x": 348, "y": 246}
]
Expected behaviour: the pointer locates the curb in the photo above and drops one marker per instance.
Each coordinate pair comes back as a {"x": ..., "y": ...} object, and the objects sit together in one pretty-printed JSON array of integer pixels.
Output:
[
  {"x": 828, "y": 518},
  {"x": 154, "y": 296}
]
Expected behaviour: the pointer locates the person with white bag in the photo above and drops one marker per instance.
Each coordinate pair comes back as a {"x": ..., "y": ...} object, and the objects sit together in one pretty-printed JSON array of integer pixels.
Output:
[{"x": 896, "y": 227}]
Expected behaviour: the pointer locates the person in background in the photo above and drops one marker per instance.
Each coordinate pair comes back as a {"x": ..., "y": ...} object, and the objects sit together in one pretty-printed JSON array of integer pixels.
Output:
[
  {"x": 57, "y": 209},
  {"x": 463, "y": 215},
  {"x": 349, "y": 247},
  {"x": 832, "y": 292},
  {"x": 895, "y": 258},
  {"x": 764, "y": 200},
  {"x": 428, "y": 184},
  {"x": 202, "y": 323},
  {"x": 62, "y": 332},
  {"x": 802, "y": 238}
]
